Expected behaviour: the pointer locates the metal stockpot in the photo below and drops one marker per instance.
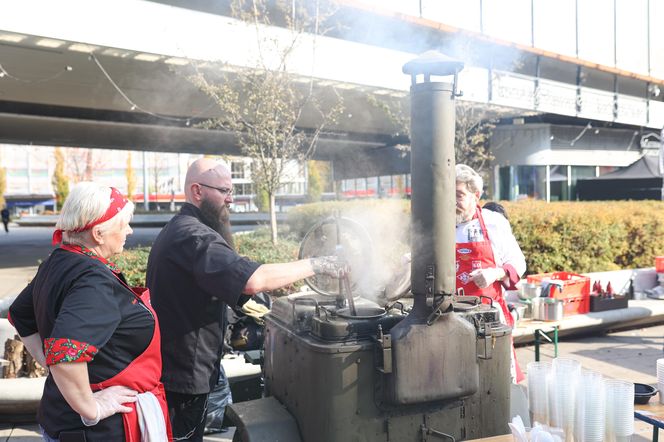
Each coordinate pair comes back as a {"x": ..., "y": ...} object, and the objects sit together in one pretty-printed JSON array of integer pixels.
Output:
[{"x": 547, "y": 309}]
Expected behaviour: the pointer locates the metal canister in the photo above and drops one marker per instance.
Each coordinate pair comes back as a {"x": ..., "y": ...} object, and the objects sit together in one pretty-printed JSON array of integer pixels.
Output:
[{"x": 547, "y": 309}]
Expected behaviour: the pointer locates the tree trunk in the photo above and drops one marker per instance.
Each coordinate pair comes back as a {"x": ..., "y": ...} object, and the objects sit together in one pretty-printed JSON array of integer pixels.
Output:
[
  {"x": 14, "y": 354},
  {"x": 273, "y": 218}
]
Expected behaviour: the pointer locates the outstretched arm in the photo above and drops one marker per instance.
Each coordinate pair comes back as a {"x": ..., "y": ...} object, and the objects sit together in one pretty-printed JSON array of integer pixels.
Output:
[{"x": 274, "y": 276}]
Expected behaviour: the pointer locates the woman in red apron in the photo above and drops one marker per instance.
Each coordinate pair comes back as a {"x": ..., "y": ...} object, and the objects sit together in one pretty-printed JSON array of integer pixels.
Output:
[
  {"x": 477, "y": 271},
  {"x": 99, "y": 337}
]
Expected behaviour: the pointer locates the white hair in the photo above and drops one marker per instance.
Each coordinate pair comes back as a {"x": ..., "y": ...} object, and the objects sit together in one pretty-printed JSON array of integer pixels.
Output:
[
  {"x": 466, "y": 174},
  {"x": 88, "y": 202}
]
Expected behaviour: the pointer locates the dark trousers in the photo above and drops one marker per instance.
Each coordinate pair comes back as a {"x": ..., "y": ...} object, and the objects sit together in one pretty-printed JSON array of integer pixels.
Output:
[
  {"x": 187, "y": 413},
  {"x": 6, "y": 223}
]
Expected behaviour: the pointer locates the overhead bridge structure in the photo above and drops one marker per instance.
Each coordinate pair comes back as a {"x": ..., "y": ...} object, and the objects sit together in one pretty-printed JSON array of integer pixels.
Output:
[{"x": 111, "y": 74}]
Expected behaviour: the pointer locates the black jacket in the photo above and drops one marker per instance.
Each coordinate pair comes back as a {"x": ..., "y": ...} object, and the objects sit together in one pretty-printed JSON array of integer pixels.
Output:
[{"x": 191, "y": 273}]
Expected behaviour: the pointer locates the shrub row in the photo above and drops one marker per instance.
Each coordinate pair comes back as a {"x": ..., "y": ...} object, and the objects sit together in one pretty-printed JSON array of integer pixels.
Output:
[
  {"x": 256, "y": 245},
  {"x": 562, "y": 236},
  {"x": 588, "y": 236}
]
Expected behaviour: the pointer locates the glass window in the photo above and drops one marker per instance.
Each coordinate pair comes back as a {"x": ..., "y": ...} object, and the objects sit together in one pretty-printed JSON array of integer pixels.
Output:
[
  {"x": 632, "y": 35},
  {"x": 410, "y": 7},
  {"x": 507, "y": 19},
  {"x": 558, "y": 186},
  {"x": 580, "y": 172},
  {"x": 530, "y": 182},
  {"x": 656, "y": 39},
  {"x": 243, "y": 189},
  {"x": 521, "y": 182},
  {"x": 504, "y": 183},
  {"x": 372, "y": 186},
  {"x": 555, "y": 25},
  {"x": 596, "y": 31},
  {"x": 237, "y": 169},
  {"x": 460, "y": 13}
]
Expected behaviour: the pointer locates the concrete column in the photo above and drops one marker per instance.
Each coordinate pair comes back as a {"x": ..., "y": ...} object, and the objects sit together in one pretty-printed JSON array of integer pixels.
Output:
[
  {"x": 146, "y": 196},
  {"x": 548, "y": 183}
]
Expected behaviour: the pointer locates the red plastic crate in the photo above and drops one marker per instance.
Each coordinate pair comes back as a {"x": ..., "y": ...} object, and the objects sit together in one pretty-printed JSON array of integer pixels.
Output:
[
  {"x": 575, "y": 292},
  {"x": 576, "y": 306},
  {"x": 659, "y": 264}
]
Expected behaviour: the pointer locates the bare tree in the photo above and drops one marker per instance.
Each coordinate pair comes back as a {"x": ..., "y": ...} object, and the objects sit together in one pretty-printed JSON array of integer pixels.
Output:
[
  {"x": 473, "y": 129},
  {"x": 157, "y": 169},
  {"x": 265, "y": 104},
  {"x": 81, "y": 163},
  {"x": 130, "y": 174}
]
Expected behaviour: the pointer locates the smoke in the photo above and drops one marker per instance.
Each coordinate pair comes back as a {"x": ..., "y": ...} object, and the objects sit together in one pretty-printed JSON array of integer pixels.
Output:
[
  {"x": 471, "y": 47},
  {"x": 388, "y": 227}
]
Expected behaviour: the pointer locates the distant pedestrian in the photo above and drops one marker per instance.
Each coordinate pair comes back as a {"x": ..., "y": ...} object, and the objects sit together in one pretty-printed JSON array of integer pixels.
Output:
[{"x": 5, "y": 218}]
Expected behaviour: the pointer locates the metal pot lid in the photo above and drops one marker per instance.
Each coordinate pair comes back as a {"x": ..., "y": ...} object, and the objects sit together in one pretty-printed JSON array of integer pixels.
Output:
[
  {"x": 362, "y": 313},
  {"x": 338, "y": 236},
  {"x": 399, "y": 285}
]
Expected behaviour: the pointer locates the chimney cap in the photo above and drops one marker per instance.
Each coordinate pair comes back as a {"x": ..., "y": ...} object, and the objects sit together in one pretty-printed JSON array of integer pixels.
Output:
[{"x": 433, "y": 63}]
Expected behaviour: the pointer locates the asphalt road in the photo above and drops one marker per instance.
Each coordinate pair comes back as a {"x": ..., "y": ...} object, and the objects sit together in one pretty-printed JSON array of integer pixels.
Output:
[{"x": 25, "y": 246}]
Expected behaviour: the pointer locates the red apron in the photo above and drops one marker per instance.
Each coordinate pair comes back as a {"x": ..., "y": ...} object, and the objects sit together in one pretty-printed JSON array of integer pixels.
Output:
[
  {"x": 142, "y": 374},
  {"x": 479, "y": 255}
]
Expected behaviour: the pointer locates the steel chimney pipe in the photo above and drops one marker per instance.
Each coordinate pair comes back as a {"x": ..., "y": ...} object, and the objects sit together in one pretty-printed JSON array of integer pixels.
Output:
[{"x": 433, "y": 176}]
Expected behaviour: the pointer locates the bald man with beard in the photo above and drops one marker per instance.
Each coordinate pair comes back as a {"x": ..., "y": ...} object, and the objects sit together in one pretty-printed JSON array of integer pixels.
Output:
[{"x": 193, "y": 272}]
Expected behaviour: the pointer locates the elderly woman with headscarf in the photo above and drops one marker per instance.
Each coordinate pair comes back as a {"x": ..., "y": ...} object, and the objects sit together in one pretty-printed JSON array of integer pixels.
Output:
[{"x": 98, "y": 336}]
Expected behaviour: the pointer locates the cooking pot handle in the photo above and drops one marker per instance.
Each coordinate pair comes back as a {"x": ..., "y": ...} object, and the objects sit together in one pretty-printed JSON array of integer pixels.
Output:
[
  {"x": 304, "y": 301},
  {"x": 487, "y": 297}
]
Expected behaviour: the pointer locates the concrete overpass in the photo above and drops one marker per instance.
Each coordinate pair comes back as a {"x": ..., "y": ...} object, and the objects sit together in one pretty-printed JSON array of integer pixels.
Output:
[{"x": 108, "y": 75}]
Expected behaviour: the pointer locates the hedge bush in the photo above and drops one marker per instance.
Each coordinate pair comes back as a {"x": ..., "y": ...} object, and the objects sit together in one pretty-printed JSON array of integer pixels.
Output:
[
  {"x": 588, "y": 236},
  {"x": 134, "y": 263},
  {"x": 558, "y": 236},
  {"x": 562, "y": 236},
  {"x": 256, "y": 245}
]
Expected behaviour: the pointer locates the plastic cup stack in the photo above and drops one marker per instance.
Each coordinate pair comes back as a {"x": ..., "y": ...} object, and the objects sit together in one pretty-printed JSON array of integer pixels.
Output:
[
  {"x": 590, "y": 408},
  {"x": 619, "y": 410},
  {"x": 660, "y": 379},
  {"x": 538, "y": 395},
  {"x": 562, "y": 394}
]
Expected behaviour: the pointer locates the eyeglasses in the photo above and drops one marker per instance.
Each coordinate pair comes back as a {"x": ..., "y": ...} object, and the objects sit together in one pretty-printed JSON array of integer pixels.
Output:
[{"x": 225, "y": 191}]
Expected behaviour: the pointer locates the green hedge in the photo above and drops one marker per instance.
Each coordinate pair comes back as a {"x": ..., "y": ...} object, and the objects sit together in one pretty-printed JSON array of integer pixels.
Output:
[
  {"x": 588, "y": 236},
  {"x": 561, "y": 236},
  {"x": 256, "y": 245},
  {"x": 134, "y": 263}
]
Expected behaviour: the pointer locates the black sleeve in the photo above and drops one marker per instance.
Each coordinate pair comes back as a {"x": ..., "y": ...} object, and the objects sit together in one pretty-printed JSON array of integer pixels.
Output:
[
  {"x": 22, "y": 312},
  {"x": 90, "y": 312},
  {"x": 220, "y": 271}
]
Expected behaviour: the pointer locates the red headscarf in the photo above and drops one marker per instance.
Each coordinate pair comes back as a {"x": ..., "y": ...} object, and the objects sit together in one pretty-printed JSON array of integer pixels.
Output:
[{"x": 118, "y": 201}]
